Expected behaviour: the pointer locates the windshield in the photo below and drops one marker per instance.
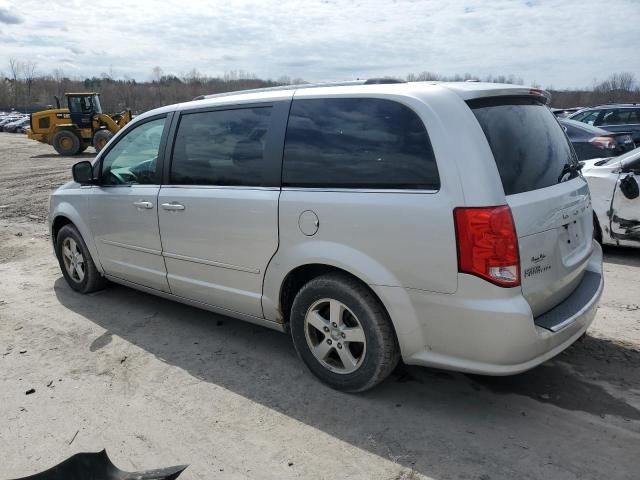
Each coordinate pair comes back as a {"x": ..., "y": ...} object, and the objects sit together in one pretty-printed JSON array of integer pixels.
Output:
[
  {"x": 96, "y": 104},
  {"x": 529, "y": 146}
]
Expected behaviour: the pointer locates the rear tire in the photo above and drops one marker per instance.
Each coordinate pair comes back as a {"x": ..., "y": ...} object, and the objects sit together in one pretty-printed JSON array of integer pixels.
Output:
[
  {"x": 76, "y": 263},
  {"x": 343, "y": 333},
  {"x": 66, "y": 143},
  {"x": 100, "y": 139}
]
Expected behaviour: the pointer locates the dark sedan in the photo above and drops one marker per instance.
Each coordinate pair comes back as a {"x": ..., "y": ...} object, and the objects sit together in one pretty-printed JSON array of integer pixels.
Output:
[
  {"x": 614, "y": 118},
  {"x": 592, "y": 142}
]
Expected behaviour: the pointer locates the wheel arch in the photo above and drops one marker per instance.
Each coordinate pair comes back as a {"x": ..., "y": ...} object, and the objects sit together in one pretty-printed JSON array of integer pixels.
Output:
[
  {"x": 66, "y": 214},
  {"x": 318, "y": 255},
  {"x": 59, "y": 222},
  {"x": 69, "y": 127},
  {"x": 303, "y": 274},
  {"x": 299, "y": 275}
]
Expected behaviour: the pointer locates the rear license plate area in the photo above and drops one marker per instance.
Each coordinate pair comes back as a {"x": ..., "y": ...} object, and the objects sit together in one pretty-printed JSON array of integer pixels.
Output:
[{"x": 573, "y": 235}]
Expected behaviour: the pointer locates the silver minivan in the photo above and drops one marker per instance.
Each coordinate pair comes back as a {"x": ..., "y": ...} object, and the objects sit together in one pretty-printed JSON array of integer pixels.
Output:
[{"x": 447, "y": 224}]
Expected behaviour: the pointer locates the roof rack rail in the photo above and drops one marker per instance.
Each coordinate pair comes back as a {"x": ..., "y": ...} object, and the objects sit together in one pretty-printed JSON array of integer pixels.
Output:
[
  {"x": 371, "y": 81},
  {"x": 381, "y": 81},
  {"x": 610, "y": 104}
]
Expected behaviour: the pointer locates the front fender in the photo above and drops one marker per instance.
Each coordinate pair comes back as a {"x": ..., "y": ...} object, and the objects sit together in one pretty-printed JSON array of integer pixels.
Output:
[{"x": 75, "y": 208}]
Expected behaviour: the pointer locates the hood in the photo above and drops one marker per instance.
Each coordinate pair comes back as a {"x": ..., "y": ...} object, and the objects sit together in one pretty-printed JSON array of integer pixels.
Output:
[
  {"x": 66, "y": 186},
  {"x": 593, "y": 163}
]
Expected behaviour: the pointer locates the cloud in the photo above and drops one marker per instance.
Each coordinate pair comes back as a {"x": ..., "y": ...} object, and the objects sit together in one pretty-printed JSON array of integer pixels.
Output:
[
  {"x": 8, "y": 17},
  {"x": 330, "y": 40}
]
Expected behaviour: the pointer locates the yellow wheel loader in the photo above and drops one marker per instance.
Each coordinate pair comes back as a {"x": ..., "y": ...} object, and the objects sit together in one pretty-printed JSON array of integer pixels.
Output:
[{"x": 71, "y": 130}]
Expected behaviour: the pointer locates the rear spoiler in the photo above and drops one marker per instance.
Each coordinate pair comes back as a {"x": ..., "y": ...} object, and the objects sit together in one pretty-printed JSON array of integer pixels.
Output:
[{"x": 472, "y": 91}]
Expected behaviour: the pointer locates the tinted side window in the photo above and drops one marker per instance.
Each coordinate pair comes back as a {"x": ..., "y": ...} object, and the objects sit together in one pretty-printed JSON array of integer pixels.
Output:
[
  {"x": 590, "y": 117},
  {"x": 357, "y": 143},
  {"x": 530, "y": 149},
  {"x": 615, "y": 117},
  {"x": 133, "y": 160},
  {"x": 579, "y": 116},
  {"x": 224, "y": 147}
]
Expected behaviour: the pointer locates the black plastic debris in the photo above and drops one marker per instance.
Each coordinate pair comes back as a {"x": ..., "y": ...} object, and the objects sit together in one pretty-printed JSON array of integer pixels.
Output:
[
  {"x": 97, "y": 466},
  {"x": 629, "y": 187}
]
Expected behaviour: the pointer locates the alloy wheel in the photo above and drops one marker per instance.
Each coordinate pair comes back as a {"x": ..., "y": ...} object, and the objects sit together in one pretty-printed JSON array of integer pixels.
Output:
[
  {"x": 73, "y": 259},
  {"x": 335, "y": 336}
]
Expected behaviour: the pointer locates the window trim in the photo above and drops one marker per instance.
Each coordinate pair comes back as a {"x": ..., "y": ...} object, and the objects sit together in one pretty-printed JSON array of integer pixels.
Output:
[
  {"x": 274, "y": 147},
  {"x": 421, "y": 191},
  {"x": 161, "y": 150},
  {"x": 364, "y": 188}
]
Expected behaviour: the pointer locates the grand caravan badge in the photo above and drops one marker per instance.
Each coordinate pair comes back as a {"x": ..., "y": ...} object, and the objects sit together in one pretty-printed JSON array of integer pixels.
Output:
[{"x": 538, "y": 266}]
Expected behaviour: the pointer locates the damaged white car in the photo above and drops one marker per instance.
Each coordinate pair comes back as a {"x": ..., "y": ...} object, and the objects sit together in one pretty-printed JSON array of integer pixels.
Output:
[{"x": 615, "y": 195}]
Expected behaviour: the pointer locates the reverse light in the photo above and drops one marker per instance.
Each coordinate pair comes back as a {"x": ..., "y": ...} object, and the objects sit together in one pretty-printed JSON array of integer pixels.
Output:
[
  {"x": 487, "y": 244},
  {"x": 604, "y": 142}
]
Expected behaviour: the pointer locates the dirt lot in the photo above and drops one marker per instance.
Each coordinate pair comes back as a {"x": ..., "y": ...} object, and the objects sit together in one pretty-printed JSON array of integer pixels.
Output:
[{"x": 158, "y": 383}]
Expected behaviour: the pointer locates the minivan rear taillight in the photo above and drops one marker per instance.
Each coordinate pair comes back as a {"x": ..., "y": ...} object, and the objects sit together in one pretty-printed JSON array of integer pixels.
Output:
[{"x": 488, "y": 244}]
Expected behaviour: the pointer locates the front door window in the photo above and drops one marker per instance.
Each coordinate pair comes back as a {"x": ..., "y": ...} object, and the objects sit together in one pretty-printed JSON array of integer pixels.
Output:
[{"x": 133, "y": 160}]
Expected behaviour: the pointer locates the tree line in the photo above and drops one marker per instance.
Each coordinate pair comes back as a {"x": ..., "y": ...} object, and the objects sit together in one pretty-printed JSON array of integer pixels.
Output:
[{"x": 24, "y": 88}]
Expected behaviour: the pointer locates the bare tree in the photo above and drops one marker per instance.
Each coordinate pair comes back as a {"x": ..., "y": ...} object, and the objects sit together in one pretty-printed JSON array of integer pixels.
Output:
[
  {"x": 14, "y": 68},
  {"x": 28, "y": 72}
]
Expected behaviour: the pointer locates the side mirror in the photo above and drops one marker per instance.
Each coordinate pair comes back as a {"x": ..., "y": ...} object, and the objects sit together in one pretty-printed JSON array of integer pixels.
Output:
[{"x": 83, "y": 173}]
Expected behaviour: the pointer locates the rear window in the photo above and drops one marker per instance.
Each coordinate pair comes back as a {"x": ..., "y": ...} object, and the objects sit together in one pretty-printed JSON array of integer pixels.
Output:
[
  {"x": 530, "y": 148},
  {"x": 357, "y": 143}
]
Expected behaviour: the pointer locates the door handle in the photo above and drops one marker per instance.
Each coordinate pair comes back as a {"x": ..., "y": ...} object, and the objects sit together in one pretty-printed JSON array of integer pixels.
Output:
[
  {"x": 173, "y": 206},
  {"x": 142, "y": 204}
]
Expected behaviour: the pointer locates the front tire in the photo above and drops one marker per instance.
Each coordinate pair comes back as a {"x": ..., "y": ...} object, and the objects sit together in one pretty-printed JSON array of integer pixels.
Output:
[
  {"x": 343, "y": 333},
  {"x": 66, "y": 143},
  {"x": 76, "y": 263}
]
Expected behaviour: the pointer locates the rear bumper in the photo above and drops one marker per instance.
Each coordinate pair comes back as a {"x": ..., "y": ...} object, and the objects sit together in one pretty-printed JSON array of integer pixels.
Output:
[{"x": 488, "y": 330}]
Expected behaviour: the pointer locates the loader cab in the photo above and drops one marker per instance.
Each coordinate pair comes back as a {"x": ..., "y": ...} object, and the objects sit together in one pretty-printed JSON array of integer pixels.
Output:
[{"x": 82, "y": 107}]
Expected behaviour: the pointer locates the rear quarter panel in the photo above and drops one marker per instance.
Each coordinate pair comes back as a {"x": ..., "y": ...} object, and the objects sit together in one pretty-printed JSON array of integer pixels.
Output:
[{"x": 391, "y": 238}]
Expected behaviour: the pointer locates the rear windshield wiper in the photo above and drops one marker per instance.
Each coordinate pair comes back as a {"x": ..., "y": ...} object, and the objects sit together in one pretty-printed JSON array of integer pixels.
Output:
[{"x": 569, "y": 168}]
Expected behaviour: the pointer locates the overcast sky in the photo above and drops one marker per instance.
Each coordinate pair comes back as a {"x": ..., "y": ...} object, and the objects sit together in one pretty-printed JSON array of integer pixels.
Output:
[{"x": 559, "y": 43}]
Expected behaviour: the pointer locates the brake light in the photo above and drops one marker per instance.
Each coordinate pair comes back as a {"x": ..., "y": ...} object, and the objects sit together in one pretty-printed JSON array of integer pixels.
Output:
[
  {"x": 604, "y": 142},
  {"x": 487, "y": 244}
]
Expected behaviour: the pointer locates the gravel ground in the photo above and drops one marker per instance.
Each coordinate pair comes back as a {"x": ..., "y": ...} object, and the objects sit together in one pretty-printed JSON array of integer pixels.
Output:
[{"x": 158, "y": 383}]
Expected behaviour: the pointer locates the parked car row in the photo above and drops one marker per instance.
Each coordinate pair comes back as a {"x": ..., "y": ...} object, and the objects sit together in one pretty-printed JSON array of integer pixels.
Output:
[
  {"x": 601, "y": 131},
  {"x": 614, "y": 118},
  {"x": 13, "y": 122},
  {"x": 593, "y": 142}
]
